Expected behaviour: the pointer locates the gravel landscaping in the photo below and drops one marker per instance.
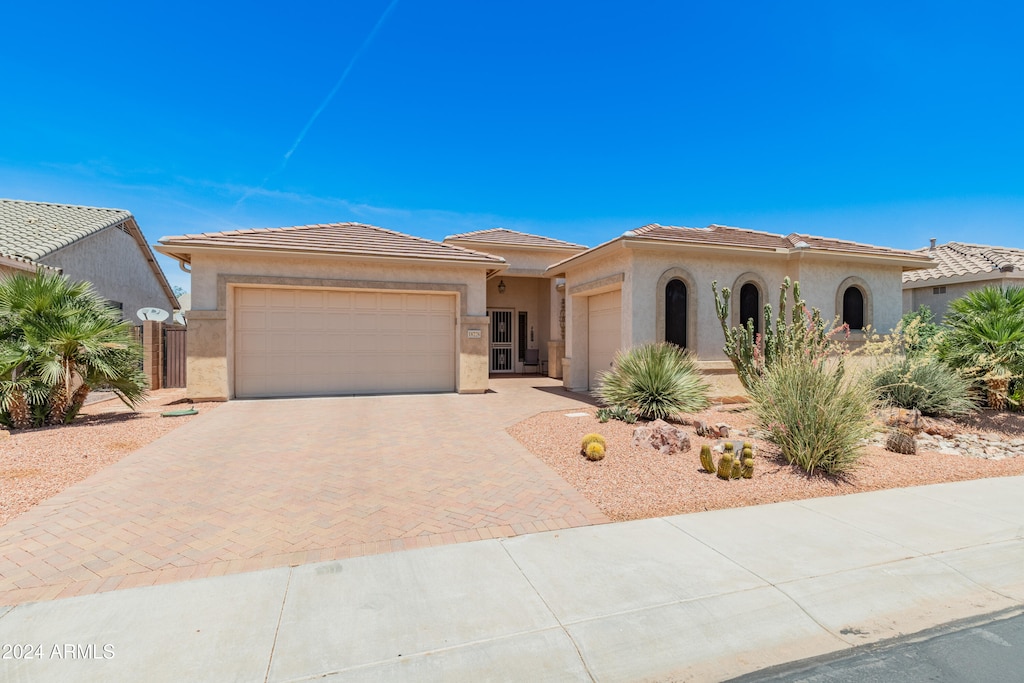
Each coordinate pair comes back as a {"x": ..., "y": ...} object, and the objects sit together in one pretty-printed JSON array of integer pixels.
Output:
[
  {"x": 635, "y": 482},
  {"x": 36, "y": 464}
]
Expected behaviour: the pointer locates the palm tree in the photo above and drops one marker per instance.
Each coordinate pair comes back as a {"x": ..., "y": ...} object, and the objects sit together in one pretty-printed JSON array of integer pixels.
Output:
[
  {"x": 985, "y": 339},
  {"x": 58, "y": 340}
]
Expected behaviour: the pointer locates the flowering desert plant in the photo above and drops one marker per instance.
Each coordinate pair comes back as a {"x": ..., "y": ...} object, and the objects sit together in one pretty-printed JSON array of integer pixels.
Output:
[
  {"x": 814, "y": 413},
  {"x": 803, "y": 334}
]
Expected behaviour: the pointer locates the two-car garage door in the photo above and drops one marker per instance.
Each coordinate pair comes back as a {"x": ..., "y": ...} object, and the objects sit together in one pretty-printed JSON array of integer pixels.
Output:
[{"x": 308, "y": 342}]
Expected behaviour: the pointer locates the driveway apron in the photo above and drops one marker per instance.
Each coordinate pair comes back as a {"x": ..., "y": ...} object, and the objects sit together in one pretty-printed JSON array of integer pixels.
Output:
[{"x": 260, "y": 484}]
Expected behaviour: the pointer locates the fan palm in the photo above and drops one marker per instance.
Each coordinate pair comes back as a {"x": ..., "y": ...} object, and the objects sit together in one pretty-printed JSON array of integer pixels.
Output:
[
  {"x": 58, "y": 340},
  {"x": 985, "y": 338}
]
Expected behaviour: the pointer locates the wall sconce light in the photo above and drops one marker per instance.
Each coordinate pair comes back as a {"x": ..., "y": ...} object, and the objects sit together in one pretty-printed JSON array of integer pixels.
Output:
[{"x": 501, "y": 287}]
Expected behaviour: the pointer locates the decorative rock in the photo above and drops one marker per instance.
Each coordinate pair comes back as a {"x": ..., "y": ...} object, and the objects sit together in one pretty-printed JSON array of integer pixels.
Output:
[
  {"x": 723, "y": 430},
  {"x": 938, "y": 427},
  {"x": 905, "y": 419},
  {"x": 663, "y": 436},
  {"x": 701, "y": 427}
]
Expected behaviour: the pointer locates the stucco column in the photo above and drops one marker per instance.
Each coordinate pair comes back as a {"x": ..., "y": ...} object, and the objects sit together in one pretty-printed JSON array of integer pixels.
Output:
[
  {"x": 153, "y": 353},
  {"x": 474, "y": 346},
  {"x": 577, "y": 312}
]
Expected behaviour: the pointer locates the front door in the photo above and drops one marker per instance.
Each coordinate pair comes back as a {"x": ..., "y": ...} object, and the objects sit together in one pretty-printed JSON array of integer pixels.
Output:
[{"x": 502, "y": 359}]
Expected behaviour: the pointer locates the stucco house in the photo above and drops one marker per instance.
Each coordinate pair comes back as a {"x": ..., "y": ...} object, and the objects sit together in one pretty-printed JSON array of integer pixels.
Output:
[
  {"x": 960, "y": 268},
  {"x": 348, "y": 308},
  {"x": 654, "y": 284},
  {"x": 103, "y": 246}
]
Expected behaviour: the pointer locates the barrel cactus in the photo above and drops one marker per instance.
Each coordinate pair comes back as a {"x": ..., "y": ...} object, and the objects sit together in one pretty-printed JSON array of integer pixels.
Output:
[
  {"x": 706, "y": 461},
  {"x": 748, "y": 468},
  {"x": 725, "y": 466},
  {"x": 594, "y": 451}
]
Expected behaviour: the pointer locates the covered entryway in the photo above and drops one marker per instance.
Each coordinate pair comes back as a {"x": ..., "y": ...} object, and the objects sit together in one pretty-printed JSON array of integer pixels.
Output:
[
  {"x": 309, "y": 342},
  {"x": 604, "y": 332}
]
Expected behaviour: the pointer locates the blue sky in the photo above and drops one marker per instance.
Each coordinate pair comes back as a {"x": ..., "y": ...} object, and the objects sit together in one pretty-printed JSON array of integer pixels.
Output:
[{"x": 887, "y": 123}]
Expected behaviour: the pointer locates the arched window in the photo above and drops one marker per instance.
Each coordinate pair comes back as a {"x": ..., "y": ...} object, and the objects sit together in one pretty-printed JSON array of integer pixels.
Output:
[
  {"x": 675, "y": 312},
  {"x": 750, "y": 306},
  {"x": 853, "y": 308}
]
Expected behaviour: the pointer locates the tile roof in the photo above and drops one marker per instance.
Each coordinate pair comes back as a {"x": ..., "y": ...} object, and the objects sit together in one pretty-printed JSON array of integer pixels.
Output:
[
  {"x": 333, "y": 238},
  {"x": 740, "y": 237},
  {"x": 21, "y": 263},
  {"x": 512, "y": 238},
  {"x": 955, "y": 259},
  {"x": 32, "y": 230}
]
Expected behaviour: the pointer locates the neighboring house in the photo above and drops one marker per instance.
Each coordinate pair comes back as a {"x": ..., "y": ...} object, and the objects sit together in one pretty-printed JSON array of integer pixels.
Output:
[
  {"x": 104, "y": 246},
  {"x": 960, "y": 268},
  {"x": 654, "y": 284},
  {"x": 347, "y": 308}
]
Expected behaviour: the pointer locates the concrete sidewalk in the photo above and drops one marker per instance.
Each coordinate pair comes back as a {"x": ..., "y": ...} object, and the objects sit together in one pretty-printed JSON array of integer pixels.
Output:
[{"x": 694, "y": 597}]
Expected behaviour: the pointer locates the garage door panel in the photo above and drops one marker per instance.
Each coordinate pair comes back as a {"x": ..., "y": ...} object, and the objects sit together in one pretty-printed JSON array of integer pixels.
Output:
[
  {"x": 337, "y": 301},
  {"x": 390, "y": 323},
  {"x": 393, "y": 302},
  {"x": 251, "y": 297},
  {"x": 604, "y": 332},
  {"x": 310, "y": 341},
  {"x": 284, "y": 298}
]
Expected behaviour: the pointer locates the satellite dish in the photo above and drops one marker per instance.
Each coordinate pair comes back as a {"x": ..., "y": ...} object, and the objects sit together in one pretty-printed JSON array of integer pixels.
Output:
[
  {"x": 179, "y": 318},
  {"x": 152, "y": 313}
]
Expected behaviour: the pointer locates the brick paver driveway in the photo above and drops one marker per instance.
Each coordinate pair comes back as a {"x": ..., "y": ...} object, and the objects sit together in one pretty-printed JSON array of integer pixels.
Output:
[{"x": 259, "y": 484}]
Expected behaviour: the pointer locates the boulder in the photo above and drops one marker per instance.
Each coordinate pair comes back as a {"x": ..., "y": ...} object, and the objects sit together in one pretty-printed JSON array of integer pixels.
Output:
[
  {"x": 662, "y": 436},
  {"x": 939, "y": 427}
]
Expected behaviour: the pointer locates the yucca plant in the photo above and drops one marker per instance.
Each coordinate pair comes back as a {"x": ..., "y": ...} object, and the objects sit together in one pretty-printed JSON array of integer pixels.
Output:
[
  {"x": 925, "y": 384},
  {"x": 654, "y": 381}
]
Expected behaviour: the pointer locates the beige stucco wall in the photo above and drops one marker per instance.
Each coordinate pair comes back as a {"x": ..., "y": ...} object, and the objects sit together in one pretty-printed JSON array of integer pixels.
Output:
[
  {"x": 642, "y": 269},
  {"x": 215, "y": 276},
  {"x": 113, "y": 262},
  {"x": 923, "y": 294},
  {"x": 608, "y": 272},
  {"x": 524, "y": 294}
]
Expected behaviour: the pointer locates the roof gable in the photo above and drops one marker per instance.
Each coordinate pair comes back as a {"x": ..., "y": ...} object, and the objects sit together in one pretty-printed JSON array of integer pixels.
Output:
[
  {"x": 512, "y": 238},
  {"x": 356, "y": 239},
  {"x": 956, "y": 259},
  {"x": 32, "y": 230}
]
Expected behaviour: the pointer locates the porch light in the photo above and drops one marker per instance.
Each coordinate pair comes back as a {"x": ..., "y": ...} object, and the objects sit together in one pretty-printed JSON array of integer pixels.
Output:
[{"x": 501, "y": 287}]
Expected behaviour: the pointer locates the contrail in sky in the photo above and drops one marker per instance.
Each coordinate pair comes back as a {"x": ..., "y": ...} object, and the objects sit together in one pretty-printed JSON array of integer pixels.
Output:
[{"x": 323, "y": 105}]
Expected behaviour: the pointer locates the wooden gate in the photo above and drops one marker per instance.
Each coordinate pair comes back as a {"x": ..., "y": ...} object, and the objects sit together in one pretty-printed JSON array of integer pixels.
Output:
[{"x": 174, "y": 356}]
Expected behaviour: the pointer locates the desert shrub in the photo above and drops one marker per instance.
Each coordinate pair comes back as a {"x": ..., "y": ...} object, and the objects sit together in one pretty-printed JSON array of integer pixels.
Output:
[
  {"x": 814, "y": 413},
  {"x": 592, "y": 438},
  {"x": 654, "y": 381},
  {"x": 925, "y": 384},
  {"x": 918, "y": 331},
  {"x": 620, "y": 413},
  {"x": 802, "y": 334},
  {"x": 594, "y": 451}
]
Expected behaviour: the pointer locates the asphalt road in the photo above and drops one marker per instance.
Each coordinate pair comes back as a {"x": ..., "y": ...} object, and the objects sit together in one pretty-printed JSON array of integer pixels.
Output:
[{"x": 986, "y": 651}]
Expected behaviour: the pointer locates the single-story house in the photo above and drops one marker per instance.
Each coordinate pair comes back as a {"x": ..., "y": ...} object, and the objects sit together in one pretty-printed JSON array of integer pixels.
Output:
[
  {"x": 960, "y": 268},
  {"x": 654, "y": 284},
  {"x": 348, "y": 308},
  {"x": 103, "y": 246}
]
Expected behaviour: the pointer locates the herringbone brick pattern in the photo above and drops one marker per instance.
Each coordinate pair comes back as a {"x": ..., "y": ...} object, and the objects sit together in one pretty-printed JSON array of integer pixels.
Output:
[{"x": 262, "y": 484}]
